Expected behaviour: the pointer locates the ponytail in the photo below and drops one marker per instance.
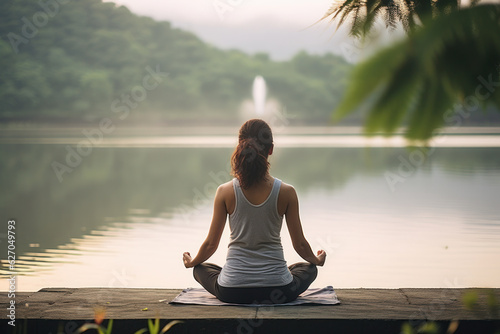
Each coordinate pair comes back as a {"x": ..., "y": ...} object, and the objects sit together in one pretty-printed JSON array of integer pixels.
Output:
[{"x": 249, "y": 161}]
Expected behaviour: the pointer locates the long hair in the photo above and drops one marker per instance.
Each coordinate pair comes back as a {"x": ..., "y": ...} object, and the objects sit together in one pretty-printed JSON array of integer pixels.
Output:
[{"x": 249, "y": 161}]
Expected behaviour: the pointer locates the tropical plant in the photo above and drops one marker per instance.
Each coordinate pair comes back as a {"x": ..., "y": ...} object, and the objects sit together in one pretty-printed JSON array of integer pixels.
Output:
[
  {"x": 99, "y": 316},
  {"x": 446, "y": 67},
  {"x": 470, "y": 301},
  {"x": 154, "y": 327},
  {"x": 100, "y": 329}
]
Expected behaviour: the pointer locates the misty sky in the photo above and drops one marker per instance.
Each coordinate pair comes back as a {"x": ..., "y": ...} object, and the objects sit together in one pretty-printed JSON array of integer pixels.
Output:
[{"x": 280, "y": 28}]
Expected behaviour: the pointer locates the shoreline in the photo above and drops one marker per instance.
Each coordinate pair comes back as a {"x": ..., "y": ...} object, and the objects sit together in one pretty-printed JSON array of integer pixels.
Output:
[
  {"x": 75, "y": 129},
  {"x": 360, "y": 311}
]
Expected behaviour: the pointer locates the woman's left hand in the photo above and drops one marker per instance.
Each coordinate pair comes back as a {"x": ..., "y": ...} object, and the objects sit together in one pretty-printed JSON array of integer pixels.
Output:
[
  {"x": 186, "y": 257},
  {"x": 321, "y": 257}
]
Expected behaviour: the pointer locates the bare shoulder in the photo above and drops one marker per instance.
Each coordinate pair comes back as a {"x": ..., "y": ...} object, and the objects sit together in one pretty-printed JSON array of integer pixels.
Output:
[
  {"x": 225, "y": 191},
  {"x": 225, "y": 194},
  {"x": 287, "y": 197},
  {"x": 287, "y": 190},
  {"x": 225, "y": 187}
]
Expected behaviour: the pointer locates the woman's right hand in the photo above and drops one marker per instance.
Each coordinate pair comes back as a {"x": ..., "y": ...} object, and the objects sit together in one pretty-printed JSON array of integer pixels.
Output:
[
  {"x": 186, "y": 258},
  {"x": 321, "y": 258}
]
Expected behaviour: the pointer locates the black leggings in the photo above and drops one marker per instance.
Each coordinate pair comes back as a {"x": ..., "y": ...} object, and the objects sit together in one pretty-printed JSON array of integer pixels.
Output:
[{"x": 303, "y": 275}]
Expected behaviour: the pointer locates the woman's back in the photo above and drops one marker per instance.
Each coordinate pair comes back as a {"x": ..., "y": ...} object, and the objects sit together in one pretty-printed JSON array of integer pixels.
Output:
[
  {"x": 259, "y": 192},
  {"x": 255, "y": 269},
  {"x": 255, "y": 255}
]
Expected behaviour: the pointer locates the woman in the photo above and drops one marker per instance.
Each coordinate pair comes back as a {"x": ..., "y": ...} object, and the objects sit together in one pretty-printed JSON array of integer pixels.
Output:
[{"x": 255, "y": 269}]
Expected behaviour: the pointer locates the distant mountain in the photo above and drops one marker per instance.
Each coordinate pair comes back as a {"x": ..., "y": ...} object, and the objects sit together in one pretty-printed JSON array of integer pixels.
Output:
[
  {"x": 282, "y": 41},
  {"x": 65, "y": 60}
]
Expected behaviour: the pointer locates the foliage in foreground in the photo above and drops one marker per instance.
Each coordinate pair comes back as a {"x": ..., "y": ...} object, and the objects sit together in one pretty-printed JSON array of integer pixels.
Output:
[
  {"x": 153, "y": 327},
  {"x": 99, "y": 314},
  {"x": 470, "y": 301},
  {"x": 445, "y": 68}
]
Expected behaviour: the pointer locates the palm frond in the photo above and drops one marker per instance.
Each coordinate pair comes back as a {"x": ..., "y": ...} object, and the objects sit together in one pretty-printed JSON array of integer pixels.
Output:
[
  {"x": 423, "y": 10},
  {"x": 357, "y": 24},
  {"x": 446, "y": 6},
  {"x": 362, "y": 14},
  {"x": 368, "y": 77},
  {"x": 419, "y": 79},
  {"x": 392, "y": 13},
  {"x": 339, "y": 7},
  {"x": 427, "y": 115},
  {"x": 386, "y": 113},
  {"x": 409, "y": 13}
]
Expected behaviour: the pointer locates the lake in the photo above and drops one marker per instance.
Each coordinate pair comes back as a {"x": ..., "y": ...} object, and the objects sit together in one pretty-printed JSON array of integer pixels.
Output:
[{"x": 122, "y": 213}]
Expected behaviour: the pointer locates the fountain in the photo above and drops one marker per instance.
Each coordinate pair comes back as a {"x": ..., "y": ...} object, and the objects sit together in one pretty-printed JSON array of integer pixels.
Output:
[
  {"x": 259, "y": 92},
  {"x": 260, "y": 105}
]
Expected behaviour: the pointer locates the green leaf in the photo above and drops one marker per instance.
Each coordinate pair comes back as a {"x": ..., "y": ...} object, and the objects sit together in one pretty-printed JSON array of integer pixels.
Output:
[
  {"x": 170, "y": 325},
  {"x": 429, "y": 327},
  {"x": 407, "y": 329},
  {"x": 110, "y": 326},
  {"x": 416, "y": 81},
  {"x": 470, "y": 299},
  {"x": 367, "y": 77},
  {"x": 86, "y": 327},
  {"x": 151, "y": 326},
  {"x": 492, "y": 301}
]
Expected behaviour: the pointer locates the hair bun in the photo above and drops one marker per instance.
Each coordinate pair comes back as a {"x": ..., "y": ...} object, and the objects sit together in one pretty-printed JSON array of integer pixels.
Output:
[{"x": 249, "y": 161}]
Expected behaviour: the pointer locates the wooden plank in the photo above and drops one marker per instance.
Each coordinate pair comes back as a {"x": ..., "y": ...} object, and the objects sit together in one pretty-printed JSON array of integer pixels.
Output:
[
  {"x": 356, "y": 304},
  {"x": 120, "y": 303},
  {"x": 448, "y": 304},
  {"x": 20, "y": 297}
]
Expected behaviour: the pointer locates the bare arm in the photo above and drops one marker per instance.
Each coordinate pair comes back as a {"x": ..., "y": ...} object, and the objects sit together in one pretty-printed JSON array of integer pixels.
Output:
[
  {"x": 300, "y": 244},
  {"x": 209, "y": 246}
]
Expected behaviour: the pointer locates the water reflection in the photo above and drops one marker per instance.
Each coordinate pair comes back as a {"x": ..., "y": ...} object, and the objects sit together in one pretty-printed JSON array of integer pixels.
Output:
[
  {"x": 124, "y": 215},
  {"x": 228, "y": 141}
]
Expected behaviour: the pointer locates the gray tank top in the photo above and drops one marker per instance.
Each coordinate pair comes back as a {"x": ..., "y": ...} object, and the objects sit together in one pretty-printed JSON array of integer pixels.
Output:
[{"x": 255, "y": 254}]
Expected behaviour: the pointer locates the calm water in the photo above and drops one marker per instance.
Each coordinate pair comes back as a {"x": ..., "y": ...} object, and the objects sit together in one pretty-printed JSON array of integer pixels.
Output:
[{"x": 124, "y": 215}]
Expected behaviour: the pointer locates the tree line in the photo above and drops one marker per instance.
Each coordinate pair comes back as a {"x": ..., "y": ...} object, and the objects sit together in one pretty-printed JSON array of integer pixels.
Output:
[{"x": 70, "y": 60}]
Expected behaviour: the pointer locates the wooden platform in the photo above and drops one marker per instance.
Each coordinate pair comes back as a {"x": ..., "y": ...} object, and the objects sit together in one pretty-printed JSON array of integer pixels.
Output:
[{"x": 360, "y": 311}]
